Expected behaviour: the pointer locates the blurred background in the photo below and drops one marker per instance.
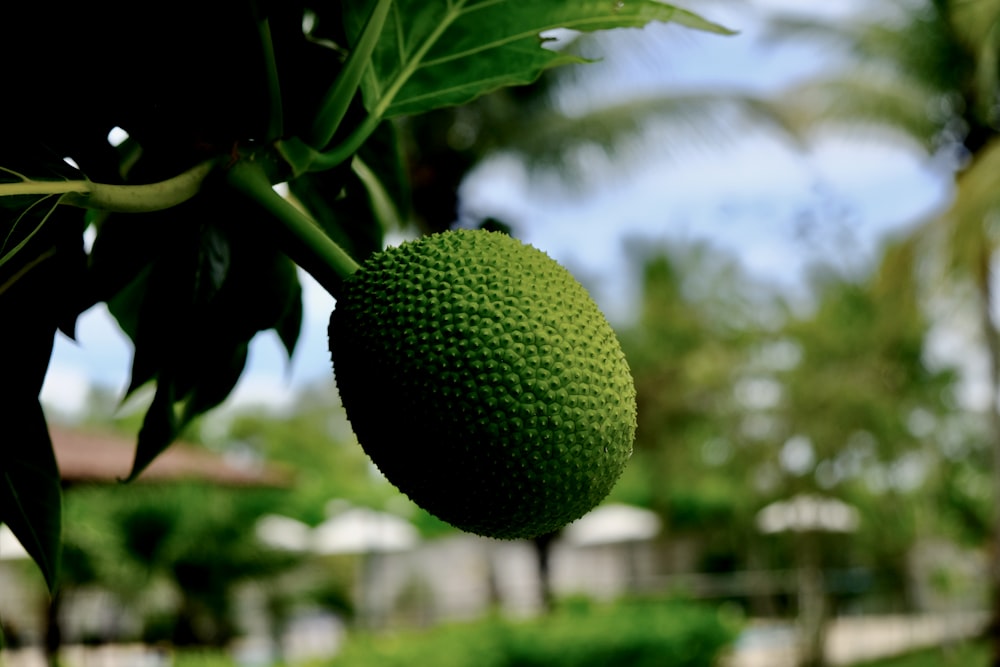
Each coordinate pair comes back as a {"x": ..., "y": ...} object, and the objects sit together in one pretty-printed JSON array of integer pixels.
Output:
[{"x": 792, "y": 229}]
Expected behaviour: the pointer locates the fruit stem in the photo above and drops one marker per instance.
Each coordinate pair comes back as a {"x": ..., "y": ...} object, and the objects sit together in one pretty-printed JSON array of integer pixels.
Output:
[
  {"x": 299, "y": 236},
  {"x": 340, "y": 94}
]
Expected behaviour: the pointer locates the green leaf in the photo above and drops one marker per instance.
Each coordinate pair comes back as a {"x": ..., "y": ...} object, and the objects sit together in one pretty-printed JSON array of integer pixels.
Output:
[
  {"x": 160, "y": 427},
  {"x": 441, "y": 53},
  {"x": 41, "y": 242},
  {"x": 30, "y": 494},
  {"x": 289, "y": 326},
  {"x": 211, "y": 279},
  {"x": 30, "y": 491},
  {"x": 38, "y": 297},
  {"x": 284, "y": 293},
  {"x": 261, "y": 290},
  {"x": 126, "y": 245},
  {"x": 27, "y": 217},
  {"x": 158, "y": 310},
  {"x": 199, "y": 381},
  {"x": 218, "y": 381},
  {"x": 126, "y": 303},
  {"x": 338, "y": 100}
]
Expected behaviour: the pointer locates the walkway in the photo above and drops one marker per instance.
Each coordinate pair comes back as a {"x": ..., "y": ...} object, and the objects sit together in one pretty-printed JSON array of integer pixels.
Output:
[{"x": 854, "y": 639}]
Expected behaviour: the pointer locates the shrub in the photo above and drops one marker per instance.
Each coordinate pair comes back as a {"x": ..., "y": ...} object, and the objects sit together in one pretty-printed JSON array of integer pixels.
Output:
[{"x": 629, "y": 633}]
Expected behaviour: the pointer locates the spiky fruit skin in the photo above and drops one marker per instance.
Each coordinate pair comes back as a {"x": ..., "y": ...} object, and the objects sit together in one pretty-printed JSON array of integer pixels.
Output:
[{"x": 484, "y": 382}]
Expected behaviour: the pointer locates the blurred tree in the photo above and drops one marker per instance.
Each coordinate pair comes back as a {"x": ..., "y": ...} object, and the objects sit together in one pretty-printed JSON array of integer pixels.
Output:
[
  {"x": 744, "y": 401},
  {"x": 928, "y": 71},
  {"x": 191, "y": 542},
  {"x": 173, "y": 554},
  {"x": 861, "y": 411},
  {"x": 699, "y": 320},
  {"x": 318, "y": 444}
]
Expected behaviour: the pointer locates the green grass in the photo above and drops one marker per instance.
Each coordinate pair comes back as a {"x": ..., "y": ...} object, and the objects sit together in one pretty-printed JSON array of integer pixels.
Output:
[
  {"x": 203, "y": 658},
  {"x": 969, "y": 654},
  {"x": 581, "y": 633}
]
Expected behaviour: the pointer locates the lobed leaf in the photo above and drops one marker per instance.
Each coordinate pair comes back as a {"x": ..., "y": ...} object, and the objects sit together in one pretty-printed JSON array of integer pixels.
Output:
[
  {"x": 160, "y": 427},
  {"x": 448, "y": 52}
]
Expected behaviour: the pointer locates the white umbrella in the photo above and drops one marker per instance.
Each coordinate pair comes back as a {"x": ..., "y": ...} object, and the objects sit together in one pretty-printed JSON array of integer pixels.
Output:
[
  {"x": 361, "y": 530},
  {"x": 10, "y": 548},
  {"x": 282, "y": 532},
  {"x": 808, "y": 513},
  {"x": 612, "y": 524}
]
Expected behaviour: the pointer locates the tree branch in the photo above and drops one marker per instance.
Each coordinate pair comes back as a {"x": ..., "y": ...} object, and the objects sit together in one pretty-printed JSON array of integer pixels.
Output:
[{"x": 120, "y": 198}]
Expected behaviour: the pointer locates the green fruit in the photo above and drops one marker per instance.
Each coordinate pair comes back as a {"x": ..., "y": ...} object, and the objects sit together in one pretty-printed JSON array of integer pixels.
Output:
[{"x": 483, "y": 381}]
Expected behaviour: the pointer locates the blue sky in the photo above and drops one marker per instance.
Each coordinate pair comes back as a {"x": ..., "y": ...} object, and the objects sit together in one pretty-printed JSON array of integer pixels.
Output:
[
  {"x": 751, "y": 195},
  {"x": 777, "y": 207}
]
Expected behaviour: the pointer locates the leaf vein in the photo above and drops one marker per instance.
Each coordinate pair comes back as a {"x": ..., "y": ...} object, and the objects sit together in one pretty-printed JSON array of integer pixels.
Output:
[
  {"x": 407, "y": 69},
  {"x": 580, "y": 24},
  {"x": 489, "y": 83}
]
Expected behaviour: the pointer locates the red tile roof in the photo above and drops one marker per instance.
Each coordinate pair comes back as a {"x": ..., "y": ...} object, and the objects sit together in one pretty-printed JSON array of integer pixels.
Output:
[{"x": 87, "y": 455}]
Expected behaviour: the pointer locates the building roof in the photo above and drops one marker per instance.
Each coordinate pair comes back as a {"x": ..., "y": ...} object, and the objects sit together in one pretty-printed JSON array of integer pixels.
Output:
[{"x": 86, "y": 455}]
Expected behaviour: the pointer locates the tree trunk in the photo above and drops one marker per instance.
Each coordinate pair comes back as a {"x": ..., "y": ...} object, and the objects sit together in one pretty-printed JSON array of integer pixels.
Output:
[
  {"x": 812, "y": 602},
  {"x": 543, "y": 553},
  {"x": 53, "y": 629}
]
